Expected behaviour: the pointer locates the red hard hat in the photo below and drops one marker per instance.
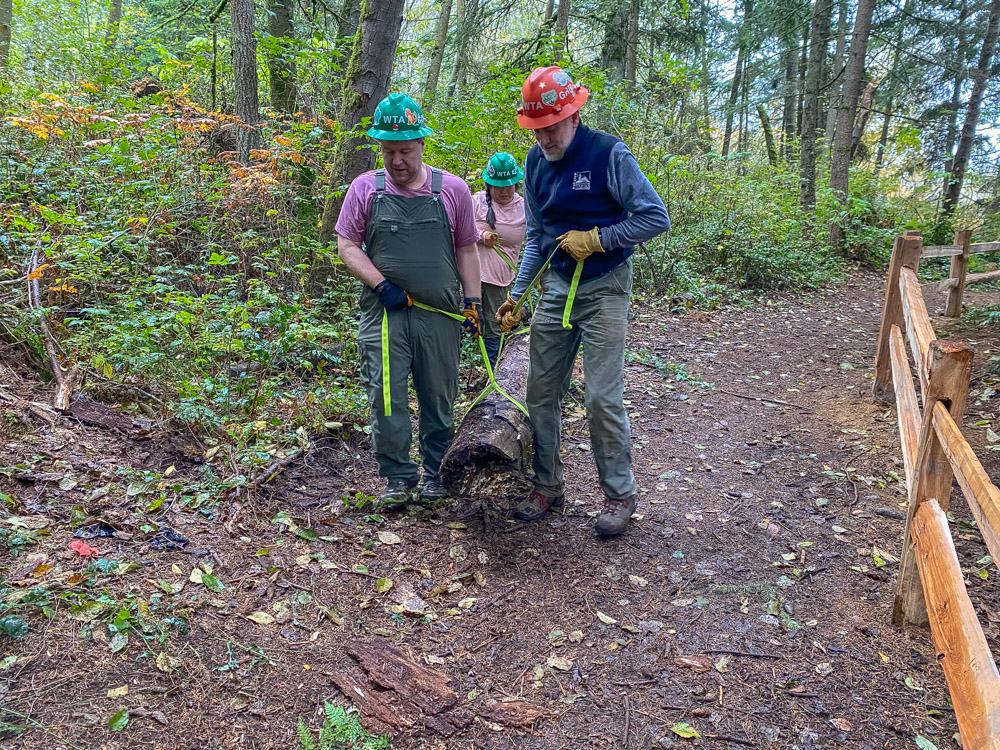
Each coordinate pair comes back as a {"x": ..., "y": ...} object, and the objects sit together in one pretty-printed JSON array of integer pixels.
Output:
[{"x": 548, "y": 96}]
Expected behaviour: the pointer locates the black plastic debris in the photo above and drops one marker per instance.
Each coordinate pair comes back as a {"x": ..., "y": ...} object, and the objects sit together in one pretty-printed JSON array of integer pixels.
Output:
[{"x": 167, "y": 539}]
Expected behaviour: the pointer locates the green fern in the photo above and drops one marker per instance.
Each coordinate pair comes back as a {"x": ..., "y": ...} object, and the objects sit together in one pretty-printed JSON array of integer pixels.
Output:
[{"x": 340, "y": 731}]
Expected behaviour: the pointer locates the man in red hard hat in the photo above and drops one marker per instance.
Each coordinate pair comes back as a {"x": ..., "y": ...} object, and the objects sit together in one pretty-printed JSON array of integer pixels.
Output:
[{"x": 586, "y": 201}]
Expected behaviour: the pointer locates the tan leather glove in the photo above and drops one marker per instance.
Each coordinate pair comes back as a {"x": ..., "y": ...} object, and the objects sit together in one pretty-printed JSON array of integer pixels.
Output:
[
  {"x": 581, "y": 245},
  {"x": 505, "y": 309}
]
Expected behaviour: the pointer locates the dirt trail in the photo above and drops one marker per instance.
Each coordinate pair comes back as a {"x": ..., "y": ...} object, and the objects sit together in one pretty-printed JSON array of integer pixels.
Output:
[{"x": 765, "y": 549}]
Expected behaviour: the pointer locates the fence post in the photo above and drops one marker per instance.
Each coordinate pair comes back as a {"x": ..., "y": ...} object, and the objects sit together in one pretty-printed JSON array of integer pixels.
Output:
[
  {"x": 905, "y": 252},
  {"x": 959, "y": 267},
  {"x": 950, "y": 367}
]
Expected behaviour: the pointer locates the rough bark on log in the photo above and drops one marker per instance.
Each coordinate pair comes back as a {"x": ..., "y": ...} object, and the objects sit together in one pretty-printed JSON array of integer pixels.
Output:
[
  {"x": 385, "y": 666},
  {"x": 488, "y": 458},
  {"x": 100, "y": 415},
  {"x": 395, "y": 694}
]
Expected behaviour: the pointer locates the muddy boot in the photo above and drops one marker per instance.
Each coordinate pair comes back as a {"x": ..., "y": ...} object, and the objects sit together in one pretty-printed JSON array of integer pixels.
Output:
[
  {"x": 536, "y": 505},
  {"x": 397, "y": 494},
  {"x": 614, "y": 520},
  {"x": 432, "y": 490}
]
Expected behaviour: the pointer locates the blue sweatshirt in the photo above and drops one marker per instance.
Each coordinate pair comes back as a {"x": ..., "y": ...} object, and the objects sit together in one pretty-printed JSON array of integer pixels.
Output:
[{"x": 642, "y": 214}]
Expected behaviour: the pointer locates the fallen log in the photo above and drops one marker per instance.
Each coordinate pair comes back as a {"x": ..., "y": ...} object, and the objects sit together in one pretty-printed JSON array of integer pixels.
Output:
[
  {"x": 100, "y": 415},
  {"x": 490, "y": 454}
]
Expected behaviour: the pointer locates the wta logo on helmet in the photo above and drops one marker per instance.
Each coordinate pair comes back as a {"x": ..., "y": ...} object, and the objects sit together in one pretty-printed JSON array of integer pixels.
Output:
[{"x": 548, "y": 95}]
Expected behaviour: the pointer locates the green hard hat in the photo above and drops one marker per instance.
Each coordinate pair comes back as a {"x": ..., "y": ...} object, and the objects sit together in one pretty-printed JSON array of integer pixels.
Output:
[
  {"x": 502, "y": 170},
  {"x": 398, "y": 118}
]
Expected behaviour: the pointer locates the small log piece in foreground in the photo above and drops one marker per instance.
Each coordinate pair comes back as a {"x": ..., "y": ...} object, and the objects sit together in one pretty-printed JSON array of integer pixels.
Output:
[
  {"x": 962, "y": 650},
  {"x": 395, "y": 694},
  {"x": 487, "y": 459}
]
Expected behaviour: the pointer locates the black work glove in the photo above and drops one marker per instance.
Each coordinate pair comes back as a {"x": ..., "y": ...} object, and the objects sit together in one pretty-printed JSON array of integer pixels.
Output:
[
  {"x": 391, "y": 296},
  {"x": 472, "y": 324}
]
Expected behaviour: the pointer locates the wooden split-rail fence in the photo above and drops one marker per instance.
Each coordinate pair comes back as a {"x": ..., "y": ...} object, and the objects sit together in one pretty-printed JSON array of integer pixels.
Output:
[{"x": 931, "y": 588}]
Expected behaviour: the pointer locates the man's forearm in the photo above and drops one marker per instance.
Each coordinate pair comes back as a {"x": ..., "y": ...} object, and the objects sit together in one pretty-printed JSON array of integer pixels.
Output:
[
  {"x": 357, "y": 262},
  {"x": 630, "y": 187},
  {"x": 467, "y": 259}
]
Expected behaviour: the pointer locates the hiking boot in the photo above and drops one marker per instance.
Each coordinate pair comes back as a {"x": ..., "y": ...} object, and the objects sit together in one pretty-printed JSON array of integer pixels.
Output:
[
  {"x": 432, "y": 490},
  {"x": 536, "y": 505},
  {"x": 397, "y": 493},
  {"x": 614, "y": 520}
]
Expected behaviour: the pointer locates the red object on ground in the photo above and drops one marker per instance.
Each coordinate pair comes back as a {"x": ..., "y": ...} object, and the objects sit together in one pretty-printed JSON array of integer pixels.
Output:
[{"x": 84, "y": 549}]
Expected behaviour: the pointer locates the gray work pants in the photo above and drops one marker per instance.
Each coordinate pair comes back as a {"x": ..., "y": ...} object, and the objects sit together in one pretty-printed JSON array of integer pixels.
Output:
[
  {"x": 425, "y": 345},
  {"x": 599, "y": 321}
]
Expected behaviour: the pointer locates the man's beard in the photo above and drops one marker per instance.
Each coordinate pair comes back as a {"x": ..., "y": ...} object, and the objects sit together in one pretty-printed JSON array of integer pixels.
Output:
[{"x": 555, "y": 155}]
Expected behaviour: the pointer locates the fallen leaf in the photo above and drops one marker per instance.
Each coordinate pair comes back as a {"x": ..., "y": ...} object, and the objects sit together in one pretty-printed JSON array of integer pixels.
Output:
[
  {"x": 118, "y": 692},
  {"x": 559, "y": 662},
  {"x": 118, "y": 722},
  {"x": 166, "y": 663},
  {"x": 606, "y": 619},
  {"x": 824, "y": 668},
  {"x": 576, "y": 636},
  {"x": 468, "y": 602},
  {"x": 698, "y": 662},
  {"x": 261, "y": 618},
  {"x": 842, "y": 724},
  {"x": 924, "y": 744},
  {"x": 195, "y": 576},
  {"x": 685, "y": 730},
  {"x": 382, "y": 585},
  {"x": 119, "y": 642},
  {"x": 211, "y": 582},
  {"x": 387, "y": 537}
]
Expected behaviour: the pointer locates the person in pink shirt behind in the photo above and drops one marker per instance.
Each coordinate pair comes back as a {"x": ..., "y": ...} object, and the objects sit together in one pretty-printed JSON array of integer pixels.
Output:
[{"x": 501, "y": 225}]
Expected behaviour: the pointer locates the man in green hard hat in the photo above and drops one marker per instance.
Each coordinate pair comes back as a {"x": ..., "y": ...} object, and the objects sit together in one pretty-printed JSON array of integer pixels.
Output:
[{"x": 407, "y": 232}]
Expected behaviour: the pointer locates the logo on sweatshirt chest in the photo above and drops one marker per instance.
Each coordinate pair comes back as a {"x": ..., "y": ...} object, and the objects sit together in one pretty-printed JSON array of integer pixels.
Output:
[{"x": 581, "y": 180}]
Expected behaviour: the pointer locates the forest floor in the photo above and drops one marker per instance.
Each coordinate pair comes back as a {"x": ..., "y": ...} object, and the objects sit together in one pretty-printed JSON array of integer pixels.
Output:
[{"x": 750, "y": 599}]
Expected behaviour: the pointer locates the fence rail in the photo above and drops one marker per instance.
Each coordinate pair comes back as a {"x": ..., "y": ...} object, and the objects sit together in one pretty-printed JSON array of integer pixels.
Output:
[
  {"x": 959, "y": 276},
  {"x": 931, "y": 588}
]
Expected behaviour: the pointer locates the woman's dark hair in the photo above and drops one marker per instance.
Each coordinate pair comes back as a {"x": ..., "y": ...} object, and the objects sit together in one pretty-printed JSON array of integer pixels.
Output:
[{"x": 491, "y": 215}]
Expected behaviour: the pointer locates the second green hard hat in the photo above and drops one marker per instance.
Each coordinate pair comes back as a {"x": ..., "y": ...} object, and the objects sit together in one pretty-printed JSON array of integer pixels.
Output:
[
  {"x": 502, "y": 170},
  {"x": 398, "y": 118}
]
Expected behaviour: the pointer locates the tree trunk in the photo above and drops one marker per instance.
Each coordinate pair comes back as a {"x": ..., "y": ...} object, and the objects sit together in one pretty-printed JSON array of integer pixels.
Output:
[
  {"x": 734, "y": 92},
  {"x": 884, "y": 138},
  {"x": 6, "y": 23},
  {"x": 956, "y": 92},
  {"x": 366, "y": 83},
  {"x": 632, "y": 41},
  {"x": 743, "y": 40},
  {"x": 437, "y": 55},
  {"x": 550, "y": 9},
  {"x": 350, "y": 17},
  {"x": 788, "y": 104},
  {"x": 615, "y": 43},
  {"x": 280, "y": 59},
  {"x": 765, "y": 124},
  {"x": 841, "y": 160},
  {"x": 245, "y": 78},
  {"x": 114, "y": 21},
  {"x": 466, "y": 27},
  {"x": 980, "y": 76},
  {"x": 864, "y": 112},
  {"x": 837, "y": 77},
  {"x": 562, "y": 28},
  {"x": 810, "y": 102},
  {"x": 803, "y": 69}
]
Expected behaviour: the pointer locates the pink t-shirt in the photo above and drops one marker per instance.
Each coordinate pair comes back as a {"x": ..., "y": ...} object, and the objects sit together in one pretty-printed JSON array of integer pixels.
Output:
[
  {"x": 353, "y": 220},
  {"x": 510, "y": 229}
]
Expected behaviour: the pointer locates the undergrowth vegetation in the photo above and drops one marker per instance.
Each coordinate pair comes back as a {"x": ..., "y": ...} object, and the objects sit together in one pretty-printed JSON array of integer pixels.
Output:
[{"x": 195, "y": 290}]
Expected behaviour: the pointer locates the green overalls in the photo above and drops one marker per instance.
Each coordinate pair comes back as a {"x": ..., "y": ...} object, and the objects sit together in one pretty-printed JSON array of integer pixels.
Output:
[{"x": 409, "y": 241}]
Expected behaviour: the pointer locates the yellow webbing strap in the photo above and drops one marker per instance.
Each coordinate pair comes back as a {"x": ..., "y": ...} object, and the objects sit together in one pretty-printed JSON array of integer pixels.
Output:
[
  {"x": 572, "y": 295},
  {"x": 386, "y": 391},
  {"x": 486, "y": 361}
]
